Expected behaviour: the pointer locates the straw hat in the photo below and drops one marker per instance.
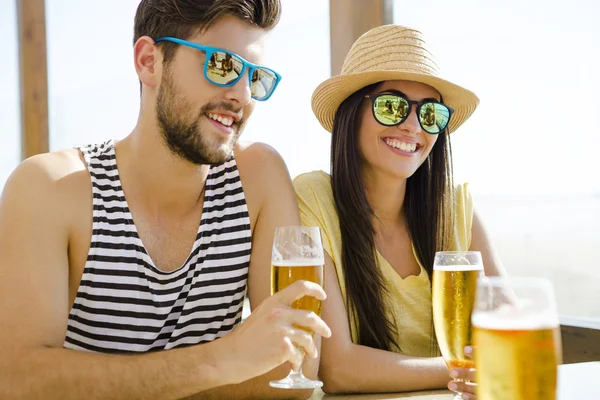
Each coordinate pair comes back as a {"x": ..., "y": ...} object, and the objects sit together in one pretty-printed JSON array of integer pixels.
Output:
[{"x": 389, "y": 52}]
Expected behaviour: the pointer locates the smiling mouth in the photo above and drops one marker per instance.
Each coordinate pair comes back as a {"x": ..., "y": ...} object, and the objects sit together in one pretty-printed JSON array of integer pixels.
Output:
[
  {"x": 225, "y": 121},
  {"x": 400, "y": 145}
]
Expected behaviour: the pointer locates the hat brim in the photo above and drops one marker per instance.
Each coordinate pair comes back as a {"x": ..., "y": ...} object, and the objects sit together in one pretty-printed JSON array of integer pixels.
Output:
[{"x": 328, "y": 96}]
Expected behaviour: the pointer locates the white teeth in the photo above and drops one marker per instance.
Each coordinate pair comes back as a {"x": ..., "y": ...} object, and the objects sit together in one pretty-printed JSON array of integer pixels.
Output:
[
  {"x": 227, "y": 121},
  {"x": 408, "y": 147}
]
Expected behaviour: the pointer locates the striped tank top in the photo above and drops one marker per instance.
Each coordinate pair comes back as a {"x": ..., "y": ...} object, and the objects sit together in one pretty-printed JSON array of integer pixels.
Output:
[{"x": 125, "y": 304}]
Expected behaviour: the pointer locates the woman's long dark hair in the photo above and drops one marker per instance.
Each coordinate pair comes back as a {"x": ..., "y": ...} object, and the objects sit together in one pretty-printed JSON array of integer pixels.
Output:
[{"x": 427, "y": 211}]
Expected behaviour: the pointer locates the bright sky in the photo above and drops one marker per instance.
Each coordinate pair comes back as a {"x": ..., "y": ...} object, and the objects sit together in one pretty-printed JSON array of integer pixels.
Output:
[{"x": 533, "y": 64}]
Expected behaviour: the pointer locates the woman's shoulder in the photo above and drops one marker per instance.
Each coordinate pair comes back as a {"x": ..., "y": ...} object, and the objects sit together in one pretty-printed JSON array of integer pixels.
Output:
[
  {"x": 462, "y": 189},
  {"x": 318, "y": 182},
  {"x": 463, "y": 214},
  {"x": 462, "y": 195},
  {"x": 314, "y": 194}
]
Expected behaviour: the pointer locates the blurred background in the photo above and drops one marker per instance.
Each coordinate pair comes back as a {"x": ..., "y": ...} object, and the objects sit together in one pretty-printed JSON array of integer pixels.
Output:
[{"x": 528, "y": 151}]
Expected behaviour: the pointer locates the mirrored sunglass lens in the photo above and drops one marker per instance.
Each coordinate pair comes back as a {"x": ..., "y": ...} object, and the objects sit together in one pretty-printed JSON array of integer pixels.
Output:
[
  {"x": 434, "y": 117},
  {"x": 223, "y": 68},
  {"x": 262, "y": 83},
  {"x": 390, "y": 109}
]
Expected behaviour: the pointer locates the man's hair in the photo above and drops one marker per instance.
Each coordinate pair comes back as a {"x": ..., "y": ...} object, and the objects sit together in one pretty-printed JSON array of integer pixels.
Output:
[{"x": 185, "y": 18}]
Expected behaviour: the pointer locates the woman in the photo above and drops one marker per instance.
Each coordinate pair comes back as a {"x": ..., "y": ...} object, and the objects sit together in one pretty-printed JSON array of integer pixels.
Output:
[{"x": 388, "y": 206}]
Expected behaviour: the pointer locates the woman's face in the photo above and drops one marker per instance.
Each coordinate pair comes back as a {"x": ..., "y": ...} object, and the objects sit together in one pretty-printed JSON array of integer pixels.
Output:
[{"x": 395, "y": 150}]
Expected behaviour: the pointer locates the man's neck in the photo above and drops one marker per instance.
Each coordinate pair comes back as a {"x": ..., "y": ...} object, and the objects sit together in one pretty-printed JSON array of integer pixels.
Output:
[{"x": 159, "y": 180}]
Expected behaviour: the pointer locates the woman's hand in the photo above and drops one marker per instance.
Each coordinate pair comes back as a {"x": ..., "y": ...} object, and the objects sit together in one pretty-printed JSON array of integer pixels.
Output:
[{"x": 467, "y": 385}]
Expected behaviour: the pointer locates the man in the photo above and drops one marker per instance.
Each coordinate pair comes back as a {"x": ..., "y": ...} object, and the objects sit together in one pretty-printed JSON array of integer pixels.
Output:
[{"x": 123, "y": 265}]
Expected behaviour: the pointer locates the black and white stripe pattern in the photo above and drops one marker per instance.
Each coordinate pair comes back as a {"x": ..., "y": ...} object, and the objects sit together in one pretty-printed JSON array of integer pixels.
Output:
[{"x": 125, "y": 304}]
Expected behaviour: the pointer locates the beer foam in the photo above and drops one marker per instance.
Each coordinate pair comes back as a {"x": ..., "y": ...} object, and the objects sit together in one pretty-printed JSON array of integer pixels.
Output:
[
  {"x": 301, "y": 262},
  {"x": 509, "y": 318},
  {"x": 458, "y": 268}
]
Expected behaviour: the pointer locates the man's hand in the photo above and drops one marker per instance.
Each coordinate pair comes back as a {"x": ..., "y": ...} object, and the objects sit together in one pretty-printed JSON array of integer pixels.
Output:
[
  {"x": 266, "y": 339},
  {"x": 464, "y": 379}
]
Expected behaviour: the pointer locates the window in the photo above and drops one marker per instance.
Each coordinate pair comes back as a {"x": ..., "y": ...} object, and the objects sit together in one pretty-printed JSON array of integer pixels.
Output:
[
  {"x": 10, "y": 119},
  {"x": 529, "y": 149},
  {"x": 298, "y": 49},
  {"x": 93, "y": 90}
]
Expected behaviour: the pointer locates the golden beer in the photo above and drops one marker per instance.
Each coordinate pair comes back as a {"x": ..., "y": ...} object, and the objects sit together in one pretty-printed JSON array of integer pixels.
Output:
[
  {"x": 453, "y": 297},
  {"x": 289, "y": 272},
  {"x": 297, "y": 255},
  {"x": 516, "y": 359}
]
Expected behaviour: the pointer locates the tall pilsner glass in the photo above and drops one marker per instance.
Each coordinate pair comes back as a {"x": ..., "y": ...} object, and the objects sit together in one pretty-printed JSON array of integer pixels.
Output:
[
  {"x": 455, "y": 275},
  {"x": 517, "y": 339},
  {"x": 297, "y": 255}
]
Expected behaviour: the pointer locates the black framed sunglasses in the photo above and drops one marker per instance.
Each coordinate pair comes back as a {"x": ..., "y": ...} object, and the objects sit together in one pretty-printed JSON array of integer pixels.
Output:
[{"x": 392, "y": 107}]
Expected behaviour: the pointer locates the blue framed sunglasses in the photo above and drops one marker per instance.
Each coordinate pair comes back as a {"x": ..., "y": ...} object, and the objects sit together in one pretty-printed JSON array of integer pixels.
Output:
[{"x": 224, "y": 68}]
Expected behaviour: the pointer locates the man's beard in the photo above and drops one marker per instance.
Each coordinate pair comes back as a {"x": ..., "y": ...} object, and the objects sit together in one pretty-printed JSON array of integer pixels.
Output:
[{"x": 185, "y": 139}]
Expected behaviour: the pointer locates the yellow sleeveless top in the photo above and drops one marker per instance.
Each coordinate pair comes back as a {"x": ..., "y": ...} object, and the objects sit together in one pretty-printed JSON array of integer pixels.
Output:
[{"x": 409, "y": 299}]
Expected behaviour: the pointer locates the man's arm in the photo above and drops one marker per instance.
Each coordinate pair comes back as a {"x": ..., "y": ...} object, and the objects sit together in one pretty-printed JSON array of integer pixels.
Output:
[
  {"x": 266, "y": 178},
  {"x": 279, "y": 208},
  {"x": 34, "y": 273}
]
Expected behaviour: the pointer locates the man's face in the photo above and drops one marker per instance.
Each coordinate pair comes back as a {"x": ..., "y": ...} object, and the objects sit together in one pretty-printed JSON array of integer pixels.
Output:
[{"x": 201, "y": 122}]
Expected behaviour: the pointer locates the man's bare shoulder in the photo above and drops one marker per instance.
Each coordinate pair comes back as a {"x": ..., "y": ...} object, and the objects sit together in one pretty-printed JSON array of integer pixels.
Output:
[
  {"x": 264, "y": 175},
  {"x": 50, "y": 177},
  {"x": 49, "y": 168},
  {"x": 259, "y": 161}
]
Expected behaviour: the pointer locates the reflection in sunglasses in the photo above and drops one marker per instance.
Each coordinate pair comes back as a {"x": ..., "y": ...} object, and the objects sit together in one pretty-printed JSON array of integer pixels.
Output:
[
  {"x": 224, "y": 68},
  {"x": 392, "y": 110},
  {"x": 428, "y": 116}
]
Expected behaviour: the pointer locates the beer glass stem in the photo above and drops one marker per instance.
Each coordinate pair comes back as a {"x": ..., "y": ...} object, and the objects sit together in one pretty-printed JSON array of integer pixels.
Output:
[
  {"x": 296, "y": 380},
  {"x": 296, "y": 375},
  {"x": 293, "y": 372},
  {"x": 458, "y": 395}
]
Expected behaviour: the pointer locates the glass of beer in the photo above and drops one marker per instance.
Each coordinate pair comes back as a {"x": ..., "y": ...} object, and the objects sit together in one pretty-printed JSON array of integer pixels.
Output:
[
  {"x": 517, "y": 339},
  {"x": 455, "y": 275},
  {"x": 297, "y": 255}
]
